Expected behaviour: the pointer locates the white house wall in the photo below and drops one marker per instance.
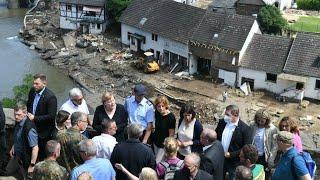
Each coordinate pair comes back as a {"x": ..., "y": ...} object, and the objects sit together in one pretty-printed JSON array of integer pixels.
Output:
[
  {"x": 260, "y": 82},
  {"x": 310, "y": 90},
  {"x": 66, "y": 16},
  {"x": 228, "y": 77},
  {"x": 160, "y": 45},
  {"x": 254, "y": 29}
]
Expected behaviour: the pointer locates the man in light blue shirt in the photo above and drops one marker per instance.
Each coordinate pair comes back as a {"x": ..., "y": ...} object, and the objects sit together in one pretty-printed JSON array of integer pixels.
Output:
[
  {"x": 99, "y": 168},
  {"x": 140, "y": 110}
]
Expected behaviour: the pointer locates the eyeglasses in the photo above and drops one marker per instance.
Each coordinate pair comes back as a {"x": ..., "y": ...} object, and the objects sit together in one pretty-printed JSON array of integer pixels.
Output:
[{"x": 85, "y": 122}]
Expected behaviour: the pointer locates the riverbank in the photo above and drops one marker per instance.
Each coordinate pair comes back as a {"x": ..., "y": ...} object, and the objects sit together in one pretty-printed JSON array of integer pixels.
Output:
[{"x": 100, "y": 63}]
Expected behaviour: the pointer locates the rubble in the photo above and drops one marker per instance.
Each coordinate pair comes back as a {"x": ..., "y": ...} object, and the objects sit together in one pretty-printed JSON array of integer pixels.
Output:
[{"x": 98, "y": 63}]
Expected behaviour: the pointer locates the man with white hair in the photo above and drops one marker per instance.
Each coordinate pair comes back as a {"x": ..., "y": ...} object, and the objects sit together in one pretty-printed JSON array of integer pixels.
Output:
[
  {"x": 76, "y": 103},
  {"x": 191, "y": 169},
  {"x": 99, "y": 168}
]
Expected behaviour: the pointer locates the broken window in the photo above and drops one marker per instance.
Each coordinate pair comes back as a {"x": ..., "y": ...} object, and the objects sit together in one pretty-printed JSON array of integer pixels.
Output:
[
  {"x": 271, "y": 77},
  {"x": 317, "y": 84},
  {"x": 129, "y": 33},
  {"x": 80, "y": 8},
  {"x": 316, "y": 62},
  {"x": 98, "y": 26},
  {"x": 154, "y": 37},
  {"x": 69, "y": 7}
]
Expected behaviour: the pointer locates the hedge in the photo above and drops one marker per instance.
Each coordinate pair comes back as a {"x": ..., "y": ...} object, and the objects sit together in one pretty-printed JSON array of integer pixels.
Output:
[{"x": 308, "y": 4}]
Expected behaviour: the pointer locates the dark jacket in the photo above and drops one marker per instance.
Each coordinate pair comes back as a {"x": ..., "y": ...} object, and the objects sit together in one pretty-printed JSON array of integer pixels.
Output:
[
  {"x": 120, "y": 117},
  {"x": 196, "y": 146},
  {"x": 183, "y": 174},
  {"x": 212, "y": 160},
  {"x": 26, "y": 155},
  {"x": 240, "y": 137},
  {"x": 45, "y": 112},
  {"x": 134, "y": 156},
  {"x": 2, "y": 120}
]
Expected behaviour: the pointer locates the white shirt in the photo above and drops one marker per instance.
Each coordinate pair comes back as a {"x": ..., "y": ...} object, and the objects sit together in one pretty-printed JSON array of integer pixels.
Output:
[
  {"x": 105, "y": 144},
  {"x": 206, "y": 147},
  {"x": 185, "y": 133},
  {"x": 227, "y": 134},
  {"x": 259, "y": 140},
  {"x": 71, "y": 108}
]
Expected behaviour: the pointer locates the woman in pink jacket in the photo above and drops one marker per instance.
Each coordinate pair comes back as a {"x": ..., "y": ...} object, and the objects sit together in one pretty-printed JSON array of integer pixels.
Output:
[{"x": 288, "y": 124}]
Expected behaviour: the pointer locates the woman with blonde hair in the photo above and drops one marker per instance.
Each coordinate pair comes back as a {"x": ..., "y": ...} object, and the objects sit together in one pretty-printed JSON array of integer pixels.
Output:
[
  {"x": 171, "y": 149},
  {"x": 165, "y": 123},
  {"x": 111, "y": 110},
  {"x": 290, "y": 125},
  {"x": 263, "y": 132},
  {"x": 146, "y": 173}
]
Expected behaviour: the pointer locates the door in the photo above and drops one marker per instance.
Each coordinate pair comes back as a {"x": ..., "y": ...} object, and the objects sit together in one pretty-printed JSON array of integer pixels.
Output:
[{"x": 248, "y": 80}]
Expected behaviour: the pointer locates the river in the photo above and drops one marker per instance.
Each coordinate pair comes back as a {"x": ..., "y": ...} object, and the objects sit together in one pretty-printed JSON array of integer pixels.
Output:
[{"x": 17, "y": 60}]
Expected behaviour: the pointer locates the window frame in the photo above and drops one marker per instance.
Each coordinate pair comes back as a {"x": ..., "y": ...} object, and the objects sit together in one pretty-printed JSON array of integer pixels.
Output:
[
  {"x": 269, "y": 80},
  {"x": 317, "y": 84}
]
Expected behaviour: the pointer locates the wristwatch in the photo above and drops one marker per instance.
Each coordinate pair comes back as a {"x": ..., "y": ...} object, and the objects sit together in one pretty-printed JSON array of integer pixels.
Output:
[{"x": 32, "y": 164}]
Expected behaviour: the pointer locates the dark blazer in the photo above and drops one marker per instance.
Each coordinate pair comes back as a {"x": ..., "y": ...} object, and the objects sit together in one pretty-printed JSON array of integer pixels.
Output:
[
  {"x": 45, "y": 112},
  {"x": 196, "y": 146},
  {"x": 183, "y": 174},
  {"x": 120, "y": 117},
  {"x": 2, "y": 120},
  {"x": 240, "y": 137},
  {"x": 212, "y": 160},
  {"x": 133, "y": 155}
]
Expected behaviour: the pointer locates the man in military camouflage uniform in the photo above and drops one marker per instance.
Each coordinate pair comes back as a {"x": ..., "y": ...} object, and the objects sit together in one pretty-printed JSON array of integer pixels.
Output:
[
  {"x": 49, "y": 168},
  {"x": 69, "y": 140}
]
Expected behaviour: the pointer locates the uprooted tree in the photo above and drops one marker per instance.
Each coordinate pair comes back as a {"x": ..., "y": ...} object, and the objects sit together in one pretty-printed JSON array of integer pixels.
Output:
[
  {"x": 116, "y": 7},
  {"x": 271, "y": 20}
]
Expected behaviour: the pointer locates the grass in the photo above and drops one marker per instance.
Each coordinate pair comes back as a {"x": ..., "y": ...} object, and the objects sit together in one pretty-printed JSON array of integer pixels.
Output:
[{"x": 306, "y": 24}]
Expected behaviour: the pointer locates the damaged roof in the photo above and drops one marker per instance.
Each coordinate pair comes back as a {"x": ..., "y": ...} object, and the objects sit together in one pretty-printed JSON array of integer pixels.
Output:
[
  {"x": 223, "y": 3},
  {"x": 304, "y": 55},
  {"x": 253, "y": 2},
  {"x": 85, "y": 2},
  {"x": 266, "y": 53},
  {"x": 170, "y": 19},
  {"x": 228, "y": 31}
]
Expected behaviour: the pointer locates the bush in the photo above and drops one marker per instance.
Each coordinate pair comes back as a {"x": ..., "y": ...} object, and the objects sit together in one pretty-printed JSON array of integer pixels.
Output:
[
  {"x": 20, "y": 92},
  {"x": 8, "y": 102},
  {"x": 309, "y": 4},
  {"x": 271, "y": 20}
]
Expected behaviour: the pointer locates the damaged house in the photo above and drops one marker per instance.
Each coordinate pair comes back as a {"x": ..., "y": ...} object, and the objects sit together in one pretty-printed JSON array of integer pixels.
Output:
[
  {"x": 162, "y": 27},
  {"x": 251, "y": 7},
  {"x": 218, "y": 44},
  {"x": 290, "y": 68},
  {"x": 87, "y": 16}
]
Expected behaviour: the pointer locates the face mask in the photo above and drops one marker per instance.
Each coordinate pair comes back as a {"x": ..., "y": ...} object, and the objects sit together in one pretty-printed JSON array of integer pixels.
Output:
[{"x": 226, "y": 118}]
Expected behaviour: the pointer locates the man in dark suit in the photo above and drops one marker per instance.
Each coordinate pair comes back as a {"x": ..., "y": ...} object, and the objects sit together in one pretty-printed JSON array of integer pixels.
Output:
[
  {"x": 132, "y": 154},
  {"x": 191, "y": 169},
  {"x": 3, "y": 144},
  {"x": 212, "y": 159},
  {"x": 42, "y": 109},
  {"x": 233, "y": 134}
]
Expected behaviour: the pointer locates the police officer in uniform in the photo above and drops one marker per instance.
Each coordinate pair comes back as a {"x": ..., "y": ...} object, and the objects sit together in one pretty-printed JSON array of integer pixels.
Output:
[{"x": 140, "y": 110}]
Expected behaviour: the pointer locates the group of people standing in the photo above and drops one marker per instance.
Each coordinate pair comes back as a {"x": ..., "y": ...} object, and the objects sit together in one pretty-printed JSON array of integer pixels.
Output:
[{"x": 140, "y": 140}]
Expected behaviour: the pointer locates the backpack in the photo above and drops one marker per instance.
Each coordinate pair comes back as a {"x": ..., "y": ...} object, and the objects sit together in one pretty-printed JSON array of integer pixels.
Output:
[
  {"x": 171, "y": 169},
  {"x": 310, "y": 164}
]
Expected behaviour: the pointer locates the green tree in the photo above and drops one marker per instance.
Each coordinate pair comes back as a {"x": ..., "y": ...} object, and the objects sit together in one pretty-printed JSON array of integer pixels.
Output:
[
  {"x": 20, "y": 92},
  {"x": 116, "y": 7},
  {"x": 271, "y": 20}
]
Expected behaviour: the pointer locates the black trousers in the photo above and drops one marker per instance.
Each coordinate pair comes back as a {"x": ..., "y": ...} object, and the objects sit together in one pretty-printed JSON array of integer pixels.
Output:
[{"x": 42, "y": 148}]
